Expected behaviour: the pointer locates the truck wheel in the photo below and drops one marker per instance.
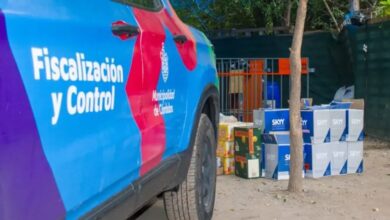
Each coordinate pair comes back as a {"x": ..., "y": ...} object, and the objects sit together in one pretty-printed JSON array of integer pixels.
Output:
[{"x": 194, "y": 198}]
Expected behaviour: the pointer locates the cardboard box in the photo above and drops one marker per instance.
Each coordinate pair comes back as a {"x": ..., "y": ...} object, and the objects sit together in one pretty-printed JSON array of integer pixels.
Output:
[
  {"x": 248, "y": 148},
  {"x": 226, "y": 130},
  {"x": 225, "y": 149},
  {"x": 355, "y": 124},
  {"x": 317, "y": 159},
  {"x": 228, "y": 166},
  {"x": 316, "y": 125},
  {"x": 219, "y": 166},
  {"x": 247, "y": 141},
  {"x": 355, "y": 157},
  {"x": 338, "y": 125},
  {"x": 247, "y": 167},
  {"x": 355, "y": 103},
  {"x": 272, "y": 120},
  {"x": 277, "y": 156},
  {"x": 339, "y": 158}
]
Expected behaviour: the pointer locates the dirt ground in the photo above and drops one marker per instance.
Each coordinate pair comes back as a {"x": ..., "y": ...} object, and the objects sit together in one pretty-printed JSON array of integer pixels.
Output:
[{"x": 365, "y": 196}]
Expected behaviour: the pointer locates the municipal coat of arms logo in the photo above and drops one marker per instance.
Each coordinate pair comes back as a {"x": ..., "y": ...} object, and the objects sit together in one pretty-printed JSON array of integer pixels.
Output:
[{"x": 164, "y": 64}]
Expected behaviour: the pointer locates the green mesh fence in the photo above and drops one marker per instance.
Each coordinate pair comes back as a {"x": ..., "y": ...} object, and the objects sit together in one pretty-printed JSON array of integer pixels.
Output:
[
  {"x": 370, "y": 50},
  {"x": 338, "y": 61}
]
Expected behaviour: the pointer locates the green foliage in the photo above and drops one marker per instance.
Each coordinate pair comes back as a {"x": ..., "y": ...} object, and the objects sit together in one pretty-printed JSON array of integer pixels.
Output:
[
  {"x": 318, "y": 18},
  {"x": 225, "y": 15},
  {"x": 239, "y": 14},
  {"x": 384, "y": 6}
]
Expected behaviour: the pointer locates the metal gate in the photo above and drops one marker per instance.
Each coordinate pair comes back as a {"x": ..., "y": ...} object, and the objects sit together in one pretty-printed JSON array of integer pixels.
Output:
[{"x": 251, "y": 83}]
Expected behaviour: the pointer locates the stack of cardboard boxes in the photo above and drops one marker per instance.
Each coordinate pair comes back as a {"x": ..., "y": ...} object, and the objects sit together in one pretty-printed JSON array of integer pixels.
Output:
[
  {"x": 225, "y": 148},
  {"x": 316, "y": 138},
  {"x": 275, "y": 124},
  {"x": 333, "y": 138},
  {"x": 277, "y": 156},
  {"x": 355, "y": 140},
  {"x": 339, "y": 146}
]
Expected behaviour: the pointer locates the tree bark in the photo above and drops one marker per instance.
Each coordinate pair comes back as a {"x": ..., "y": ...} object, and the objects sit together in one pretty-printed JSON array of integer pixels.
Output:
[
  {"x": 296, "y": 141},
  {"x": 287, "y": 15},
  {"x": 332, "y": 15},
  {"x": 354, "y": 5}
]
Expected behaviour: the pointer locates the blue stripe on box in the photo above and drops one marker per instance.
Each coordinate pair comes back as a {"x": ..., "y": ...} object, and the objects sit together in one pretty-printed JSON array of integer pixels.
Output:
[
  {"x": 327, "y": 138},
  {"x": 345, "y": 168},
  {"x": 275, "y": 175},
  {"x": 328, "y": 170},
  {"x": 360, "y": 168},
  {"x": 361, "y": 136}
]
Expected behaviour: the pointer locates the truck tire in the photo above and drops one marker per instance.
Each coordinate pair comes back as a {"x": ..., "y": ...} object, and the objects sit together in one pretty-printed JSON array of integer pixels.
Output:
[{"x": 194, "y": 198}]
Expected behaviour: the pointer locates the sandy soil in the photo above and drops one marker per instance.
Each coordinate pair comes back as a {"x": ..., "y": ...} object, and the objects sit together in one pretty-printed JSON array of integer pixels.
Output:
[{"x": 365, "y": 196}]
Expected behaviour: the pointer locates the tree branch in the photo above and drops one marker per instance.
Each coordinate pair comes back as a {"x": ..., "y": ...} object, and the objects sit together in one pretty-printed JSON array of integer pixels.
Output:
[{"x": 332, "y": 15}]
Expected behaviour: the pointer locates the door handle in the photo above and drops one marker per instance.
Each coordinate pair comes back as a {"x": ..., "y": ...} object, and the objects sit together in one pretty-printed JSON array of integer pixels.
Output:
[
  {"x": 181, "y": 39},
  {"x": 124, "y": 31}
]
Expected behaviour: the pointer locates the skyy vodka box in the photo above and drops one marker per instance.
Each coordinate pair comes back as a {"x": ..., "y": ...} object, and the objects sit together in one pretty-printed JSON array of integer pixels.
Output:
[
  {"x": 316, "y": 125},
  {"x": 355, "y": 123},
  {"x": 272, "y": 120},
  {"x": 355, "y": 157},
  {"x": 339, "y": 158},
  {"x": 338, "y": 125},
  {"x": 317, "y": 160},
  {"x": 277, "y": 156}
]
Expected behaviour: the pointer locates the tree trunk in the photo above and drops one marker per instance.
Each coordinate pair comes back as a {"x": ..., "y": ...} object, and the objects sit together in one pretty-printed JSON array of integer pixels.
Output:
[
  {"x": 296, "y": 141},
  {"x": 354, "y": 5},
  {"x": 287, "y": 15}
]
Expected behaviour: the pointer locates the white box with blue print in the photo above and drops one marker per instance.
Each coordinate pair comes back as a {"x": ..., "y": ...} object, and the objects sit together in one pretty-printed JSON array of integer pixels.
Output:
[
  {"x": 316, "y": 125},
  {"x": 355, "y": 157},
  {"x": 277, "y": 156},
  {"x": 338, "y": 125},
  {"x": 339, "y": 158},
  {"x": 355, "y": 125},
  {"x": 272, "y": 120},
  {"x": 317, "y": 159}
]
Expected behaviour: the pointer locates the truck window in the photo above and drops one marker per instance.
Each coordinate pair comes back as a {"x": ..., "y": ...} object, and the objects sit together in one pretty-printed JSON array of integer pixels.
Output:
[{"x": 152, "y": 5}]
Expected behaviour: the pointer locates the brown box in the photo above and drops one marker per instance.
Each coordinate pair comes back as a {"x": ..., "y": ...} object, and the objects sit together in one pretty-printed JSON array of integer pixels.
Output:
[
  {"x": 355, "y": 103},
  {"x": 305, "y": 102}
]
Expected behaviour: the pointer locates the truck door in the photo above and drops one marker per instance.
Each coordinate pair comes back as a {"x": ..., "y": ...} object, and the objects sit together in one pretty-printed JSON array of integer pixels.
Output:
[
  {"x": 168, "y": 53},
  {"x": 68, "y": 140}
]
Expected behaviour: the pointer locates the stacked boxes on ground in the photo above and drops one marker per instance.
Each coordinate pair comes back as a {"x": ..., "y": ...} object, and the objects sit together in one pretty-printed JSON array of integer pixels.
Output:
[
  {"x": 333, "y": 137},
  {"x": 355, "y": 140},
  {"x": 225, "y": 148},
  {"x": 277, "y": 156},
  {"x": 275, "y": 159},
  {"x": 316, "y": 138},
  {"x": 247, "y": 142},
  {"x": 339, "y": 131}
]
